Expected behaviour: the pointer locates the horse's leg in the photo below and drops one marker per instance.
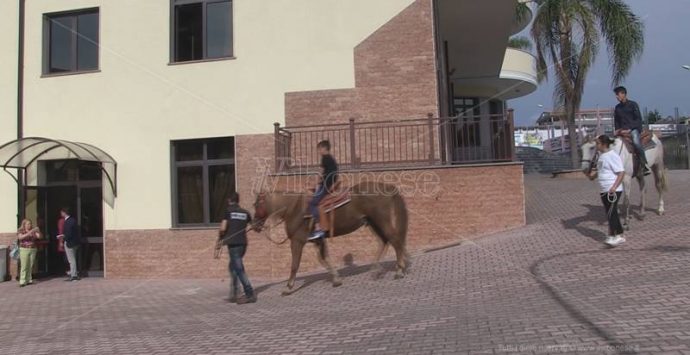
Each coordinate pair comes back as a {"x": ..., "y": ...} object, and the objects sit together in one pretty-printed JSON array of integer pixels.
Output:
[
  {"x": 622, "y": 204},
  {"x": 383, "y": 248},
  {"x": 643, "y": 196},
  {"x": 326, "y": 261},
  {"x": 401, "y": 256},
  {"x": 659, "y": 184},
  {"x": 296, "y": 246},
  {"x": 627, "y": 184},
  {"x": 377, "y": 267}
]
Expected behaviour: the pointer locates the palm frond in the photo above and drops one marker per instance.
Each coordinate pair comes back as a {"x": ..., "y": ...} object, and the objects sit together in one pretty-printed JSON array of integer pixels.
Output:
[{"x": 624, "y": 35}]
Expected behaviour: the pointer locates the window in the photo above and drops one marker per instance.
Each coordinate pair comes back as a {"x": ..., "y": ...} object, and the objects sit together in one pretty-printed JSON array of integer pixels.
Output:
[
  {"x": 468, "y": 120},
  {"x": 203, "y": 178},
  {"x": 201, "y": 29},
  {"x": 70, "y": 42}
]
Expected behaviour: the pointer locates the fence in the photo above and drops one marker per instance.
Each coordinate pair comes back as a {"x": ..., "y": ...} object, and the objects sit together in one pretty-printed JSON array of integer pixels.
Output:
[
  {"x": 402, "y": 143},
  {"x": 677, "y": 148}
]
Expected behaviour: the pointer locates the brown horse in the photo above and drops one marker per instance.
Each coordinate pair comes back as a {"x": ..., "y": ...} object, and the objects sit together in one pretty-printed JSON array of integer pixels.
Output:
[{"x": 378, "y": 205}]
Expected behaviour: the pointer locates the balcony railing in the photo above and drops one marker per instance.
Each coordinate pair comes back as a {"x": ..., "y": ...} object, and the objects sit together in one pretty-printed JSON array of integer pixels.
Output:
[{"x": 394, "y": 144}]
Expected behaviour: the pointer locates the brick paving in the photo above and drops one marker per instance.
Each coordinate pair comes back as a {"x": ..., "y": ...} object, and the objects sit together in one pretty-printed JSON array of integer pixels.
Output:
[{"x": 550, "y": 287}]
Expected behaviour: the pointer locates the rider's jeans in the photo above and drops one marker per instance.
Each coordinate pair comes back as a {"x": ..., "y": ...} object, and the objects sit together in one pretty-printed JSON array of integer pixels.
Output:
[
  {"x": 314, "y": 203},
  {"x": 637, "y": 142}
]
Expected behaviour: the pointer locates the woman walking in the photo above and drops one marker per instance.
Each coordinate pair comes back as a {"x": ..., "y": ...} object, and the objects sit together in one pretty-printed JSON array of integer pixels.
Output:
[
  {"x": 27, "y": 235},
  {"x": 610, "y": 173}
]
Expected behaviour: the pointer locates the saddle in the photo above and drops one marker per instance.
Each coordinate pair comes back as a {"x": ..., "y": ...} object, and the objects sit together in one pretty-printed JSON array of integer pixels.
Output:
[
  {"x": 645, "y": 138},
  {"x": 337, "y": 197}
]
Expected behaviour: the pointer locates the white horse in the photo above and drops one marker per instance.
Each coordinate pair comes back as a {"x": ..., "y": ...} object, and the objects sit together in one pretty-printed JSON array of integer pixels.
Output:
[{"x": 655, "y": 160}]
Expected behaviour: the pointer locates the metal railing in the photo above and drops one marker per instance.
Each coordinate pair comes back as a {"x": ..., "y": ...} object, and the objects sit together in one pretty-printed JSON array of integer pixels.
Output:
[{"x": 403, "y": 143}]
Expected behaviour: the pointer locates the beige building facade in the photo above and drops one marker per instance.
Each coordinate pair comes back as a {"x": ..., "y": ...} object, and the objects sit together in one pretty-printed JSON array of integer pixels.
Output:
[{"x": 185, "y": 92}]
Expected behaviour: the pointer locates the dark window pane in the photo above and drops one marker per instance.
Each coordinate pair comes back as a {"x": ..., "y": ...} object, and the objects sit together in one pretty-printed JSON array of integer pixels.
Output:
[
  {"x": 192, "y": 150},
  {"x": 188, "y": 32},
  {"x": 87, "y": 42},
  {"x": 219, "y": 29},
  {"x": 61, "y": 45},
  {"x": 90, "y": 171},
  {"x": 221, "y": 149},
  {"x": 221, "y": 183},
  {"x": 62, "y": 171},
  {"x": 190, "y": 197}
]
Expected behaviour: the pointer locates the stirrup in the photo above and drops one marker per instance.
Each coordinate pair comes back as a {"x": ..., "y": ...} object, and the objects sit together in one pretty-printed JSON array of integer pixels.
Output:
[{"x": 317, "y": 235}]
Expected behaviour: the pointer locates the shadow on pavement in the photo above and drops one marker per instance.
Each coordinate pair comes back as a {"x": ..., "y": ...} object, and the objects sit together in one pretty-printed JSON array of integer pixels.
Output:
[
  {"x": 574, "y": 312},
  {"x": 348, "y": 271},
  {"x": 594, "y": 213}
]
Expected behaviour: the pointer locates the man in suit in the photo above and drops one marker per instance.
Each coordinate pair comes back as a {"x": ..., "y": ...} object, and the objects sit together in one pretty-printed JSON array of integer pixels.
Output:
[{"x": 71, "y": 238}]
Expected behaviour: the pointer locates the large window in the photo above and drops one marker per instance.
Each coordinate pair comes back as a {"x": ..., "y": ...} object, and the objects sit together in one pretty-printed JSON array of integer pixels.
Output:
[
  {"x": 201, "y": 29},
  {"x": 70, "y": 42},
  {"x": 203, "y": 177}
]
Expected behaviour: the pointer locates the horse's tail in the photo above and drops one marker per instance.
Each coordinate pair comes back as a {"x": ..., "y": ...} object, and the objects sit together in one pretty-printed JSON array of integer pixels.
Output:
[
  {"x": 401, "y": 217},
  {"x": 401, "y": 222}
]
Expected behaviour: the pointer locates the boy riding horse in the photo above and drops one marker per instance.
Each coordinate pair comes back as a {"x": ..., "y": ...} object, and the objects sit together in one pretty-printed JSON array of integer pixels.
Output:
[
  {"x": 329, "y": 175},
  {"x": 627, "y": 117}
]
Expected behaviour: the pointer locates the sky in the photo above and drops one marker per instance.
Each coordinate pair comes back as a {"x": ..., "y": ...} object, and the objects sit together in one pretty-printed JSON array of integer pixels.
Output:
[{"x": 656, "y": 81}]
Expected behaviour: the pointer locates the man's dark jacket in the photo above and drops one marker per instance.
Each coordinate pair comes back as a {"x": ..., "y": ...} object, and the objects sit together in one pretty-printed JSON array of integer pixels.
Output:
[{"x": 71, "y": 232}]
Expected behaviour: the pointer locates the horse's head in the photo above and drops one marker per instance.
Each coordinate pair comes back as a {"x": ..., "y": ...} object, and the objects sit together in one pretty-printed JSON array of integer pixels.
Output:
[
  {"x": 260, "y": 211},
  {"x": 589, "y": 155}
]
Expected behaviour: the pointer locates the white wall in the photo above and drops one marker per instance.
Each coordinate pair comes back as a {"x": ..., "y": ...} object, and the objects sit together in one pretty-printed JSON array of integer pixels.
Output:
[
  {"x": 138, "y": 103},
  {"x": 8, "y": 109}
]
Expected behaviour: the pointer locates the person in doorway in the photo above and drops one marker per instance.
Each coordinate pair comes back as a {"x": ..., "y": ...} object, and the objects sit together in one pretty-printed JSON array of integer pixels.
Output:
[
  {"x": 71, "y": 238},
  {"x": 233, "y": 234},
  {"x": 627, "y": 117},
  {"x": 28, "y": 237},
  {"x": 328, "y": 178},
  {"x": 610, "y": 173}
]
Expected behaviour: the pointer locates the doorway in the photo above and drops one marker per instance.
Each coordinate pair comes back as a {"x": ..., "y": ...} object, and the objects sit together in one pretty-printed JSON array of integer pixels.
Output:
[{"x": 77, "y": 185}]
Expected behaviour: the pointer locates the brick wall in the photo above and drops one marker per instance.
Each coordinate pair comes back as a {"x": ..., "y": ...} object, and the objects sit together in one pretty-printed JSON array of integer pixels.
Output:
[
  {"x": 449, "y": 205},
  {"x": 395, "y": 76}
]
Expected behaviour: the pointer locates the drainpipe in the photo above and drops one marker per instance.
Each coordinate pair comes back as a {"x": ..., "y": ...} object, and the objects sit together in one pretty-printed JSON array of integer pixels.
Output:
[{"x": 20, "y": 105}]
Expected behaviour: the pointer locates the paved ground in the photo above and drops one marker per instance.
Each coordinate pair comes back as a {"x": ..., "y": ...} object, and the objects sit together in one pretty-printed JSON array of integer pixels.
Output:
[{"x": 550, "y": 287}]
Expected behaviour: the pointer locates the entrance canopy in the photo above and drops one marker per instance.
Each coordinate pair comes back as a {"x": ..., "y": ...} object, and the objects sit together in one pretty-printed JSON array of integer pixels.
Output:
[{"x": 23, "y": 153}]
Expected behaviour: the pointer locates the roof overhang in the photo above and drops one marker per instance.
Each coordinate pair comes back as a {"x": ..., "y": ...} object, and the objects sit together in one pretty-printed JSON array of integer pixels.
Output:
[{"x": 23, "y": 153}]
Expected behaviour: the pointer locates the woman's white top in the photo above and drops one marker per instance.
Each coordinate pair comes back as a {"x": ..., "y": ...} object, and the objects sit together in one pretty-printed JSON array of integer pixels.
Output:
[{"x": 608, "y": 166}]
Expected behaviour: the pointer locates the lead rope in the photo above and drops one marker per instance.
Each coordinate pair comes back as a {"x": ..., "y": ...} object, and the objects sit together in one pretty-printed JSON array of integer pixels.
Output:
[
  {"x": 270, "y": 228},
  {"x": 612, "y": 198},
  {"x": 218, "y": 250}
]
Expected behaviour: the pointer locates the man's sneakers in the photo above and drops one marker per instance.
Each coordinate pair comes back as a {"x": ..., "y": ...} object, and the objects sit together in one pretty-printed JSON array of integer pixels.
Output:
[
  {"x": 614, "y": 241},
  {"x": 318, "y": 234}
]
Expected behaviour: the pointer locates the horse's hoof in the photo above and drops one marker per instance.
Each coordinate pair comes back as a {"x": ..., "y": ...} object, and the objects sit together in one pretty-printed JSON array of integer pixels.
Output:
[
  {"x": 288, "y": 291},
  {"x": 337, "y": 283},
  {"x": 399, "y": 276},
  {"x": 660, "y": 213}
]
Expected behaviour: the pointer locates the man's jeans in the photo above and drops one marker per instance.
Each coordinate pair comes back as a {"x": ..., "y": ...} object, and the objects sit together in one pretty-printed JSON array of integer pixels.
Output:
[
  {"x": 314, "y": 203},
  {"x": 237, "y": 272},
  {"x": 637, "y": 142}
]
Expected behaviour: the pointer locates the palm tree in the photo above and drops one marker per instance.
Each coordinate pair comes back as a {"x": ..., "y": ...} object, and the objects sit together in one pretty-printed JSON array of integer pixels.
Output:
[
  {"x": 568, "y": 33},
  {"x": 520, "y": 42}
]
